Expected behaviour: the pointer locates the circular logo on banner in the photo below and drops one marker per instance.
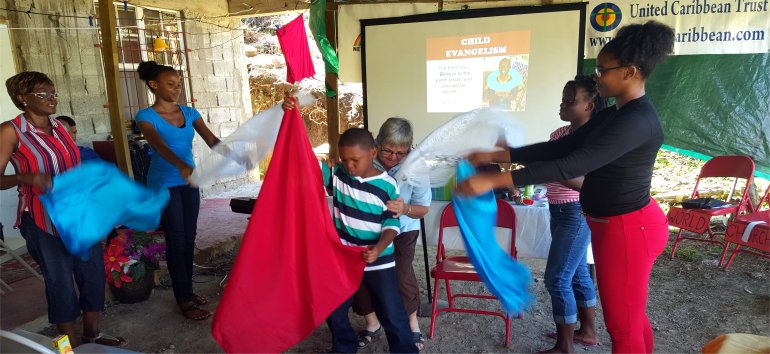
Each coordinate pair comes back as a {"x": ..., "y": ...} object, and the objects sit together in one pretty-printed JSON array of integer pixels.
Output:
[{"x": 606, "y": 17}]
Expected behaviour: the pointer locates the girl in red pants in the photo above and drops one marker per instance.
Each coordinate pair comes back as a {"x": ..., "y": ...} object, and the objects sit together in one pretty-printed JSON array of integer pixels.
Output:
[{"x": 615, "y": 151}]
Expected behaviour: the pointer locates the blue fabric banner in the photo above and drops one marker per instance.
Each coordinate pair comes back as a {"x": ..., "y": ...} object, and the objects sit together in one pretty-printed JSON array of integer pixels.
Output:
[
  {"x": 507, "y": 279},
  {"x": 88, "y": 201}
]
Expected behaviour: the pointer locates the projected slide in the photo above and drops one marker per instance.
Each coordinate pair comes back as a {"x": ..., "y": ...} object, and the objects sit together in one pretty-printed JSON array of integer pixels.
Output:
[
  {"x": 473, "y": 71},
  {"x": 428, "y": 68}
]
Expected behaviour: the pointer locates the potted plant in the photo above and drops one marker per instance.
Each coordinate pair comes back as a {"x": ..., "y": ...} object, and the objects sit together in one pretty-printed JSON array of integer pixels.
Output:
[{"x": 129, "y": 261}]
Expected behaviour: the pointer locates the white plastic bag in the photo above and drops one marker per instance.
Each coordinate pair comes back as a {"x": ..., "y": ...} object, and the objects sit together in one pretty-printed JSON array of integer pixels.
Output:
[
  {"x": 433, "y": 162},
  {"x": 245, "y": 148}
]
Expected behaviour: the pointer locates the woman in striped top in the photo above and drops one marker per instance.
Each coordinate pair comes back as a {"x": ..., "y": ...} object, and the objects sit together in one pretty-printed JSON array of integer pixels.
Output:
[
  {"x": 39, "y": 147},
  {"x": 567, "y": 278}
]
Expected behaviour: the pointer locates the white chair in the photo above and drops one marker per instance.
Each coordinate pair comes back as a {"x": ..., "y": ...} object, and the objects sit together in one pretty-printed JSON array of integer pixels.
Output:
[
  {"x": 12, "y": 248},
  {"x": 4, "y": 284},
  {"x": 20, "y": 341}
]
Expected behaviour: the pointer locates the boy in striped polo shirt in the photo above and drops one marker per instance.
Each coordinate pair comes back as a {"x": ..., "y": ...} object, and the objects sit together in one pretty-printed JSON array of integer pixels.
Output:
[{"x": 360, "y": 192}]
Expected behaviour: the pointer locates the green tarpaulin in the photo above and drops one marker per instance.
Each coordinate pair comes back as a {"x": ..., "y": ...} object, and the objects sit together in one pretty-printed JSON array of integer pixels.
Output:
[{"x": 713, "y": 105}]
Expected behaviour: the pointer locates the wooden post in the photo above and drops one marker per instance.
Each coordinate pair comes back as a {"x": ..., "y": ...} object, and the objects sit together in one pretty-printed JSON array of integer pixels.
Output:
[
  {"x": 109, "y": 48},
  {"x": 332, "y": 103}
]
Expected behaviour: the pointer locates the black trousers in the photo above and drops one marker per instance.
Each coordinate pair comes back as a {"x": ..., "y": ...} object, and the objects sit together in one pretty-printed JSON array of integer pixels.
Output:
[
  {"x": 386, "y": 298},
  {"x": 180, "y": 224}
]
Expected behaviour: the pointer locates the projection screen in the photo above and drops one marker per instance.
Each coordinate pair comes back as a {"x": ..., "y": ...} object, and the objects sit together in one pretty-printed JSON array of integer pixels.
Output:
[{"x": 428, "y": 68}]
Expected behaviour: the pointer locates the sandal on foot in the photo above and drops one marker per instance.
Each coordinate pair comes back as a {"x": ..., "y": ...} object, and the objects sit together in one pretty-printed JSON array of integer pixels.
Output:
[
  {"x": 199, "y": 300},
  {"x": 586, "y": 344},
  {"x": 106, "y": 339},
  {"x": 419, "y": 341},
  {"x": 195, "y": 313},
  {"x": 366, "y": 337},
  {"x": 576, "y": 341}
]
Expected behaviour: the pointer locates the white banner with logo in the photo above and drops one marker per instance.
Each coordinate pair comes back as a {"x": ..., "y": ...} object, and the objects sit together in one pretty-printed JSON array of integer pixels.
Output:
[
  {"x": 701, "y": 26},
  {"x": 349, "y": 31}
]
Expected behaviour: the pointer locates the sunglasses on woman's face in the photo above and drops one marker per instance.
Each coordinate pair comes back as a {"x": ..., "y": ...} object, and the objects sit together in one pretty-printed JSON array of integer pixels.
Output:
[{"x": 45, "y": 95}]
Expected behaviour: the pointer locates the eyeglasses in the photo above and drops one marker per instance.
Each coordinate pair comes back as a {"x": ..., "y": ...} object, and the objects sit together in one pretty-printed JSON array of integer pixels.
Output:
[
  {"x": 389, "y": 153},
  {"x": 45, "y": 95},
  {"x": 599, "y": 71}
]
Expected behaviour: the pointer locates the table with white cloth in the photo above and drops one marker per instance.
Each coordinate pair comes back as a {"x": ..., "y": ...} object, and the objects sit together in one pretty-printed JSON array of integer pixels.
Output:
[
  {"x": 533, "y": 231},
  {"x": 533, "y": 234}
]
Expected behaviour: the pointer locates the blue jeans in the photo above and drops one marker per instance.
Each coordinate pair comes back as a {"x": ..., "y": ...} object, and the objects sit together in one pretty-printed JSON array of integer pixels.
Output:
[
  {"x": 386, "y": 299},
  {"x": 566, "y": 274},
  {"x": 180, "y": 225},
  {"x": 59, "y": 266}
]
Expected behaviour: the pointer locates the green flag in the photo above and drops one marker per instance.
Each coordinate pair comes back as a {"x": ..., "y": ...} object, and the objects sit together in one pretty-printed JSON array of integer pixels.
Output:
[{"x": 318, "y": 27}]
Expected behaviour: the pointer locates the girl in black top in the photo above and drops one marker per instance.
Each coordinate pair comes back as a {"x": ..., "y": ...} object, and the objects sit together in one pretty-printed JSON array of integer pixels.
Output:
[{"x": 615, "y": 151}]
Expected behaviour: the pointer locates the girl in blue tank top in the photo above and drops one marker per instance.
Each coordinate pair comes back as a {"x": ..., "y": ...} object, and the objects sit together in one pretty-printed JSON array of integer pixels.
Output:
[{"x": 169, "y": 128}]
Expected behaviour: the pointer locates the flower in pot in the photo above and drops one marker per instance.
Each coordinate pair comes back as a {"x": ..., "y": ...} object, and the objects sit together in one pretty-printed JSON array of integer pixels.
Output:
[{"x": 129, "y": 258}]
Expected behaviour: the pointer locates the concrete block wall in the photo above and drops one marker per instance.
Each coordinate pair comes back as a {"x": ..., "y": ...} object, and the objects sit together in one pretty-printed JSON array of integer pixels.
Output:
[
  {"x": 217, "y": 68},
  {"x": 68, "y": 56},
  {"x": 220, "y": 85}
]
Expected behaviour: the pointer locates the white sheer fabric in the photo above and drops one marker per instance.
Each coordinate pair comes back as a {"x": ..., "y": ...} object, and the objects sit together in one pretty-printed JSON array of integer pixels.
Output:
[
  {"x": 437, "y": 155},
  {"x": 245, "y": 148}
]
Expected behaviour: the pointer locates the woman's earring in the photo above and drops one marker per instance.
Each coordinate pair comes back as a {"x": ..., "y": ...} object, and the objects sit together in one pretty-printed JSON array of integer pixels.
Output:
[{"x": 24, "y": 104}]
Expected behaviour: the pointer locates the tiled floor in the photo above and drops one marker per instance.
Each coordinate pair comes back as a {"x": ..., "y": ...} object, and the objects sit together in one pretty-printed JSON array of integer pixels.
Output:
[{"x": 25, "y": 303}]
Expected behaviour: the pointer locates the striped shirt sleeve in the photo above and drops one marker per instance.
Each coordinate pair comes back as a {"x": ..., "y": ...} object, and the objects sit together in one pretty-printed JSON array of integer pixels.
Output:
[
  {"x": 327, "y": 172},
  {"x": 556, "y": 192},
  {"x": 388, "y": 219}
]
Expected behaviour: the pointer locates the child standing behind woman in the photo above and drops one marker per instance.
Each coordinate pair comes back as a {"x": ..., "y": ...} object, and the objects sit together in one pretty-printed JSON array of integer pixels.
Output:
[
  {"x": 567, "y": 277},
  {"x": 168, "y": 127},
  {"x": 615, "y": 151}
]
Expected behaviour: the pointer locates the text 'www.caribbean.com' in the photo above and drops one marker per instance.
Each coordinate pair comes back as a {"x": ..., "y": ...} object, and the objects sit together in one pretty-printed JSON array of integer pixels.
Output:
[{"x": 695, "y": 34}]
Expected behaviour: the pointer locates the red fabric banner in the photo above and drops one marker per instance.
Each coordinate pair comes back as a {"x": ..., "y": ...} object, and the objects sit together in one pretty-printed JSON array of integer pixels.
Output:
[
  {"x": 292, "y": 270},
  {"x": 293, "y": 40}
]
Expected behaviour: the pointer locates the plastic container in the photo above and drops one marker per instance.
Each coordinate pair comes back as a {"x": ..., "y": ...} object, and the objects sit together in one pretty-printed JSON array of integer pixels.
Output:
[
  {"x": 528, "y": 192},
  {"x": 443, "y": 193}
]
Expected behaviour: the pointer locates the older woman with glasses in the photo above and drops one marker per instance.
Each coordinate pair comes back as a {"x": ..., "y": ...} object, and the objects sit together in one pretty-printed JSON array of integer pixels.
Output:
[
  {"x": 39, "y": 147},
  {"x": 394, "y": 142}
]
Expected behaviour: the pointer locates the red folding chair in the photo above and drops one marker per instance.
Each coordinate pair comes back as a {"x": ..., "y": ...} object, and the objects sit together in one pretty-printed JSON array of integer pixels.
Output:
[
  {"x": 757, "y": 238},
  {"x": 698, "y": 221},
  {"x": 460, "y": 267},
  {"x": 764, "y": 200}
]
